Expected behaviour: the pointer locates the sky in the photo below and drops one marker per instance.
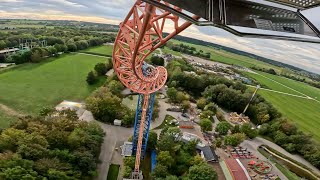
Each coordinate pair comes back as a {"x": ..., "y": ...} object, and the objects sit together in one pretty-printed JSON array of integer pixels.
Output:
[{"x": 303, "y": 55}]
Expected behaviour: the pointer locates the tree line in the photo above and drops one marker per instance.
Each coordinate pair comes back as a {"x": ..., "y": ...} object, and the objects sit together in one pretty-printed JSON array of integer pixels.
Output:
[
  {"x": 58, "y": 41},
  {"x": 188, "y": 50}
]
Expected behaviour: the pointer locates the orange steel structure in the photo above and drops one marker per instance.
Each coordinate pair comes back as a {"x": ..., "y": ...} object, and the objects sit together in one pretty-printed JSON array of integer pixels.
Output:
[{"x": 140, "y": 34}]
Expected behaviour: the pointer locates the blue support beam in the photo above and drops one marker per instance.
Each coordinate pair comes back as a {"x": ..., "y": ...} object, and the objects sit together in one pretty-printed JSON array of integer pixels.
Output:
[{"x": 147, "y": 124}]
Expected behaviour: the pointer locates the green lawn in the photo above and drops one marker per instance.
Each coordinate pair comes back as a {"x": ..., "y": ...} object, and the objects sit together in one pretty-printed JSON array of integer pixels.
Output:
[
  {"x": 271, "y": 84},
  {"x": 6, "y": 120},
  {"x": 303, "y": 112},
  {"x": 113, "y": 172},
  {"x": 166, "y": 122},
  {"x": 100, "y": 50},
  {"x": 30, "y": 87},
  {"x": 299, "y": 86},
  {"x": 166, "y": 50},
  {"x": 131, "y": 102}
]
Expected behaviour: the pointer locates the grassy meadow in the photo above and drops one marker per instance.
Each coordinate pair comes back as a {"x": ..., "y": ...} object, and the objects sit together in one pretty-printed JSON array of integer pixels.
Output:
[
  {"x": 30, "y": 87},
  {"x": 303, "y": 112},
  {"x": 101, "y": 50}
]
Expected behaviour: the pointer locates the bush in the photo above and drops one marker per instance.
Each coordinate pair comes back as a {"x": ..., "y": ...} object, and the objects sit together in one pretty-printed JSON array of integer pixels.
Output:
[
  {"x": 223, "y": 128},
  {"x": 101, "y": 69},
  {"x": 206, "y": 125},
  {"x": 92, "y": 78}
]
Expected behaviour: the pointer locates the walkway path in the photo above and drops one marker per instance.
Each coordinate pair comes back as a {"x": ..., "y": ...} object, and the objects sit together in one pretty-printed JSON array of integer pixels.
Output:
[
  {"x": 114, "y": 134},
  {"x": 9, "y": 111},
  {"x": 260, "y": 141},
  {"x": 83, "y": 53}
]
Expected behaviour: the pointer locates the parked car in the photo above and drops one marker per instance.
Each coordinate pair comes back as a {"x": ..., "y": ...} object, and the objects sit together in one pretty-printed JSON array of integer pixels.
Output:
[{"x": 185, "y": 115}]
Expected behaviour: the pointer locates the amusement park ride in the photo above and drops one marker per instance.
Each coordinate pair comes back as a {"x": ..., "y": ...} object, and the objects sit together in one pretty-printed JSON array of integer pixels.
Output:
[{"x": 142, "y": 32}]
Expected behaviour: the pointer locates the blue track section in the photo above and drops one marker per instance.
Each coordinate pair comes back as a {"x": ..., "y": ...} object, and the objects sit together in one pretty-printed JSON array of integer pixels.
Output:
[{"x": 146, "y": 124}]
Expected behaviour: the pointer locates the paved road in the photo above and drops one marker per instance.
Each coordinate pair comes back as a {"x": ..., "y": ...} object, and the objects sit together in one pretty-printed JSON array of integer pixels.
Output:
[
  {"x": 113, "y": 135},
  {"x": 260, "y": 141}
]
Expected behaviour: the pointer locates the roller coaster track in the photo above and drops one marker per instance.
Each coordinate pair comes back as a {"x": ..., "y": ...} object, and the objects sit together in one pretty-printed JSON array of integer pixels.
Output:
[{"x": 140, "y": 34}]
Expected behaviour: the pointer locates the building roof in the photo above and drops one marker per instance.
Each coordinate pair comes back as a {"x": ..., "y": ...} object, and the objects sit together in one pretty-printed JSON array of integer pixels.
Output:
[
  {"x": 208, "y": 154},
  {"x": 126, "y": 149},
  {"x": 8, "y": 50}
]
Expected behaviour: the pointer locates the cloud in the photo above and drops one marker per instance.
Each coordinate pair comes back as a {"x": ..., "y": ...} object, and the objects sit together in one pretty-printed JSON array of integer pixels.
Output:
[{"x": 302, "y": 55}]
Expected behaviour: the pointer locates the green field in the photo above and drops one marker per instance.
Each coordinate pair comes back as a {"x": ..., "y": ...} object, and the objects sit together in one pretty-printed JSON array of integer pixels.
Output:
[
  {"x": 131, "y": 102},
  {"x": 303, "y": 112},
  {"x": 101, "y": 50},
  {"x": 271, "y": 84},
  {"x": 299, "y": 86},
  {"x": 30, "y": 87},
  {"x": 5, "y": 120}
]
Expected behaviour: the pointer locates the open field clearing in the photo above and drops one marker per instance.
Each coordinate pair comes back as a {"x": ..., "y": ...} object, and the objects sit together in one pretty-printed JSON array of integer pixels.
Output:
[
  {"x": 303, "y": 112},
  {"x": 5, "y": 119},
  {"x": 30, "y": 87},
  {"x": 271, "y": 84},
  {"x": 101, "y": 50},
  {"x": 298, "y": 86}
]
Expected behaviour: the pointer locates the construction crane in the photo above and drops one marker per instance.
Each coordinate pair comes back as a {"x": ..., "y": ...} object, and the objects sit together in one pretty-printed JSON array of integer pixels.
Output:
[
  {"x": 253, "y": 95},
  {"x": 142, "y": 32}
]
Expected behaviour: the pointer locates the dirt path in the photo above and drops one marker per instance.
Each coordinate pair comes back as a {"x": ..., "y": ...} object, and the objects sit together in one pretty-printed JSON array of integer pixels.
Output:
[{"x": 9, "y": 111}]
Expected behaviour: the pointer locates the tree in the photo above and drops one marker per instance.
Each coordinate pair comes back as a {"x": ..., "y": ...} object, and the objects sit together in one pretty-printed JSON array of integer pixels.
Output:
[
  {"x": 52, "y": 50},
  {"x": 172, "y": 94},
  {"x": 211, "y": 107},
  {"x": 129, "y": 161},
  {"x": 9, "y": 139},
  {"x": 159, "y": 171},
  {"x": 203, "y": 172},
  {"x": 231, "y": 140},
  {"x": 264, "y": 129},
  {"x": 36, "y": 56},
  {"x": 206, "y": 125},
  {"x": 105, "y": 106},
  {"x": 33, "y": 146},
  {"x": 152, "y": 140},
  {"x": 72, "y": 47},
  {"x": 207, "y": 115},
  {"x": 2, "y": 44},
  {"x": 218, "y": 142},
  {"x": 101, "y": 69},
  {"x": 115, "y": 87},
  {"x": 158, "y": 61},
  {"x": 127, "y": 172},
  {"x": 166, "y": 143},
  {"x": 201, "y": 103},
  {"x": 250, "y": 131},
  {"x": 164, "y": 158},
  {"x": 235, "y": 129},
  {"x": 91, "y": 78},
  {"x": 223, "y": 128},
  {"x": 185, "y": 105},
  {"x": 280, "y": 138},
  {"x": 18, "y": 172}
]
